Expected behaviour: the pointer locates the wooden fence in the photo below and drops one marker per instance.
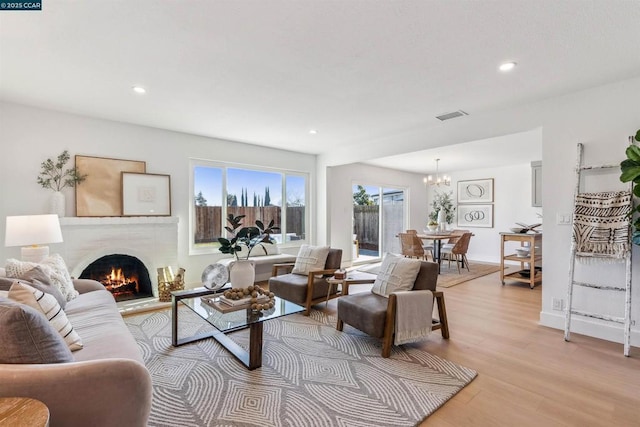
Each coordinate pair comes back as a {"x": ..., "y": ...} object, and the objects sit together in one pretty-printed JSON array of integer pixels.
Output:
[
  {"x": 208, "y": 220},
  {"x": 366, "y": 223}
]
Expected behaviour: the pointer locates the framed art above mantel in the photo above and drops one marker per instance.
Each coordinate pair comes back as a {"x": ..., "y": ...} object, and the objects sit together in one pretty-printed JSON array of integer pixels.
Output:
[
  {"x": 146, "y": 194},
  {"x": 100, "y": 194}
]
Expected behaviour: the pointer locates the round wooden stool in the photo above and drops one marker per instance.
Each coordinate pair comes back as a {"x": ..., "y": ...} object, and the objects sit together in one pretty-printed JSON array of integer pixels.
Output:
[{"x": 23, "y": 412}]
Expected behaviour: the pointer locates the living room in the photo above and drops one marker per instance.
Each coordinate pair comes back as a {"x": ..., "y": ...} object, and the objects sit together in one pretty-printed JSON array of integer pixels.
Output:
[{"x": 35, "y": 124}]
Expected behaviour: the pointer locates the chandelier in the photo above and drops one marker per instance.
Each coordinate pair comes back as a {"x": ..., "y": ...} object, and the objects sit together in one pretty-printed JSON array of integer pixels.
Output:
[{"x": 439, "y": 180}]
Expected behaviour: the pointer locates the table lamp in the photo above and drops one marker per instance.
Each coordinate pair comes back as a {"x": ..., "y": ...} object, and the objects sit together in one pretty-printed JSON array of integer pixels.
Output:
[{"x": 32, "y": 231}]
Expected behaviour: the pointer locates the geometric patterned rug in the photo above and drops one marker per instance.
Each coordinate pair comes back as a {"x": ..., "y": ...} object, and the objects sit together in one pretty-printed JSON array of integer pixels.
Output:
[{"x": 311, "y": 375}]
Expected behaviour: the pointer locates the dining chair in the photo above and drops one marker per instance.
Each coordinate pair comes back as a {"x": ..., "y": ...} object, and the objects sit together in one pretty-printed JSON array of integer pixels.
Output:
[
  {"x": 427, "y": 247},
  {"x": 459, "y": 251},
  {"x": 412, "y": 246}
]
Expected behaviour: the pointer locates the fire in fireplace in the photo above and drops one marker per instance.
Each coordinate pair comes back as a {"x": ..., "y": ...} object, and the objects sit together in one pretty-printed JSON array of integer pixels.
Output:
[{"x": 125, "y": 276}]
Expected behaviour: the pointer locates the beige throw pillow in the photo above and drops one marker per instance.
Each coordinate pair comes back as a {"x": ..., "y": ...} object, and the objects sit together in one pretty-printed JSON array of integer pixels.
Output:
[
  {"x": 396, "y": 273},
  {"x": 310, "y": 258},
  {"x": 48, "y": 306},
  {"x": 53, "y": 266}
]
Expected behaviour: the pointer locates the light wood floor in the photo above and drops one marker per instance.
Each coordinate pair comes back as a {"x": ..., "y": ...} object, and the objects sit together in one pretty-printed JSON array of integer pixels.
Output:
[{"x": 527, "y": 374}]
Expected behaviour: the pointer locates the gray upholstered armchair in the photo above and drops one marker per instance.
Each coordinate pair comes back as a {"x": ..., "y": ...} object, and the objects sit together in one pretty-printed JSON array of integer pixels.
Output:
[
  {"x": 302, "y": 289},
  {"x": 375, "y": 314}
]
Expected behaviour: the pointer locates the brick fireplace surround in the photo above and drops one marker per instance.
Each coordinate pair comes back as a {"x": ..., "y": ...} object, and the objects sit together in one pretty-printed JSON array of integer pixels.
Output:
[{"x": 153, "y": 240}]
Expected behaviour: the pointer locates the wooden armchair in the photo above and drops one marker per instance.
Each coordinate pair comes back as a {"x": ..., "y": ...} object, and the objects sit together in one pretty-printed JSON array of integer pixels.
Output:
[
  {"x": 302, "y": 289},
  {"x": 375, "y": 314}
]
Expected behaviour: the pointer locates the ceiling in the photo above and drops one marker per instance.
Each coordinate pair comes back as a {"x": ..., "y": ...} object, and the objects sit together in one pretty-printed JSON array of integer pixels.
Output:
[{"x": 267, "y": 72}]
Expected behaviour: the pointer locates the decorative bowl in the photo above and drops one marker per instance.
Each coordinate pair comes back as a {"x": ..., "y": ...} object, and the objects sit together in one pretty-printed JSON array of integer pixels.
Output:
[
  {"x": 523, "y": 252},
  {"x": 518, "y": 230}
]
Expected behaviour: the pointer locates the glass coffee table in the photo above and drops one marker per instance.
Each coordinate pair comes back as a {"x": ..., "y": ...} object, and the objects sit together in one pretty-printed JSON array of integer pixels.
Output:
[{"x": 226, "y": 322}]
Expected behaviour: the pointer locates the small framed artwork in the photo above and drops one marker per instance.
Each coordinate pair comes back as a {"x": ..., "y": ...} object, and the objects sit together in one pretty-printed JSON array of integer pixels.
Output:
[
  {"x": 475, "y": 191},
  {"x": 475, "y": 216},
  {"x": 100, "y": 194},
  {"x": 146, "y": 194}
]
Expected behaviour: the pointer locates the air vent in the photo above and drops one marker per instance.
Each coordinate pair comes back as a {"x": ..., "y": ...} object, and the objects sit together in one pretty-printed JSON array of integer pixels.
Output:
[{"x": 453, "y": 115}]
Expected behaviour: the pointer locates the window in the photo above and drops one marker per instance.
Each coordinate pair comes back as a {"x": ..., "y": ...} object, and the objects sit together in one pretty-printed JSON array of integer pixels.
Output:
[{"x": 257, "y": 194}]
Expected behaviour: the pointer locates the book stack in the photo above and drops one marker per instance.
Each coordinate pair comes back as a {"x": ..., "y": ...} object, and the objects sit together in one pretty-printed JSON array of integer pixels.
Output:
[{"x": 243, "y": 301}]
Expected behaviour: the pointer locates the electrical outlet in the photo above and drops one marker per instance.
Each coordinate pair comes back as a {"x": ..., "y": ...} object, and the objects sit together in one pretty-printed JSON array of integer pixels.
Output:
[{"x": 557, "y": 304}]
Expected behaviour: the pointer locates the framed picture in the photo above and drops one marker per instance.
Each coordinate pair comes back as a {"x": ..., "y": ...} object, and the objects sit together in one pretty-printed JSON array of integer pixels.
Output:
[
  {"x": 146, "y": 194},
  {"x": 475, "y": 191},
  {"x": 475, "y": 216},
  {"x": 100, "y": 194}
]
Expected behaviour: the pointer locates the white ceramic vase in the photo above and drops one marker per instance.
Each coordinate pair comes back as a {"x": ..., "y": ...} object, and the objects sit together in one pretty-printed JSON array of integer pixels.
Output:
[
  {"x": 57, "y": 204},
  {"x": 242, "y": 273},
  {"x": 442, "y": 220}
]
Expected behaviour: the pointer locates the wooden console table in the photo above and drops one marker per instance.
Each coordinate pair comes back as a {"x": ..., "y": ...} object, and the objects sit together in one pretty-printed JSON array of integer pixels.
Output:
[{"x": 530, "y": 275}]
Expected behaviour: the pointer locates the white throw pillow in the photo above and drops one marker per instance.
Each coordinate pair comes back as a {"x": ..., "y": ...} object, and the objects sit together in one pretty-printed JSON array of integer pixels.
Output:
[
  {"x": 397, "y": 273},
  {"x": 310, "y": 258},
  {"x": 47, "y": 305},
  {"x": 53, "y": 266}
]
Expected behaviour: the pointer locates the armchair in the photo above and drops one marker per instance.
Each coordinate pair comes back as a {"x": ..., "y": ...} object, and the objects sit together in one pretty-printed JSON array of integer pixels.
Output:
[
  {"x": 375, "y": 314},
  {"x": 306, "y": 290}
]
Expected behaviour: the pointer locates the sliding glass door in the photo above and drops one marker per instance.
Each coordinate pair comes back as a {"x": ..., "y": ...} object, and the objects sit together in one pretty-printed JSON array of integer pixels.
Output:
[{"x": 378, "y": 217}]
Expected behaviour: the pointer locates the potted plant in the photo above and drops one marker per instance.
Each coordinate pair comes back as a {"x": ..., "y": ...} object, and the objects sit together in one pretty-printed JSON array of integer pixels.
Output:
[
  {"x": 245, "y": 239},
  {"x": 54, "y": 176},
  {"x": 630, "y": 168},
  {"x": 442, "y": 202},
  {"x": 432, "y": 225}
]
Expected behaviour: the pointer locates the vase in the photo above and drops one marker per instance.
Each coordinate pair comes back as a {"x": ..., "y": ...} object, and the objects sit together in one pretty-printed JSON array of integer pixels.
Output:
[
  {"x": 442, "y": 220},
  {"x": 242, "y": 273},
  {"x": 57, "y": 204}
]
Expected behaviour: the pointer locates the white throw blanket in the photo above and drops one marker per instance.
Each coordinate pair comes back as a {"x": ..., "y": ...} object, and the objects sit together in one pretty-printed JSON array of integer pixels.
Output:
[{"x": 409, "y": 326}]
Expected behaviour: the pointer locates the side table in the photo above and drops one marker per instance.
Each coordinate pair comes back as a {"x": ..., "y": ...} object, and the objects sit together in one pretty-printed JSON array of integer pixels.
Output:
[
  {"x": 23, "y": 412},
  {"x": 352, "y": 278}
]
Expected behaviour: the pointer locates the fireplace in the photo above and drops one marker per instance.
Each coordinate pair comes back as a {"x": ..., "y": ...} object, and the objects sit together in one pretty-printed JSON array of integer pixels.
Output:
[
  {"x": 125, "y": 276},
  {"x": 152, "y": 240}
]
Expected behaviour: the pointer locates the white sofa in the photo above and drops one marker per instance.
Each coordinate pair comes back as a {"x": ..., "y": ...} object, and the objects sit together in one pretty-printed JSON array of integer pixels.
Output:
[
  {"x": 107, "y": 383},
  {"x": 264, "y": 262}
]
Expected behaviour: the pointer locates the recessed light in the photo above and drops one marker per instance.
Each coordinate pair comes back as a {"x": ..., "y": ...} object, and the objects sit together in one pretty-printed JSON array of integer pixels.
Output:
[
  {"x": 507, "y": 66},
  {"x": 139, "y": 89},
  {"x": 313, "y": 132}
]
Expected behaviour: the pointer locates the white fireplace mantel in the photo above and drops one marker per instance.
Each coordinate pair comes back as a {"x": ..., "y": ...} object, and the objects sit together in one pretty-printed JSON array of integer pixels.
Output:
[{"x": 153, "y": 240}]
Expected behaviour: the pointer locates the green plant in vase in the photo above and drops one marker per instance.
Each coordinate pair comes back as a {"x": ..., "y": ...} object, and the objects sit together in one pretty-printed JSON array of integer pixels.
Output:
[
  {"x": 630, "y": 168},
  {"x": 442, "y": 201}
]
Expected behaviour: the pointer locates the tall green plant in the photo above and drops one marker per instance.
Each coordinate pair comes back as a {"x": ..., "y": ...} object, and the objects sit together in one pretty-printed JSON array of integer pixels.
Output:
[{"x": 630, "y": 168}]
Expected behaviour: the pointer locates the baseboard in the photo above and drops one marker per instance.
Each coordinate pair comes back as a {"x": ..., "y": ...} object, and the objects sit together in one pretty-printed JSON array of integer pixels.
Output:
[{"x": 589, "y": 327}]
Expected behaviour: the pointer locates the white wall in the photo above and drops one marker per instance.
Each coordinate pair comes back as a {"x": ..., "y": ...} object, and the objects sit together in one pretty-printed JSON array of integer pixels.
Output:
[{"x": 30, "y": 135}]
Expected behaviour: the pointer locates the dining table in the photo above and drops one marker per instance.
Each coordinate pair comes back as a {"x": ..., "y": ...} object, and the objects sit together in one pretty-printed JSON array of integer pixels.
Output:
[{"x": 437, "y": 238}]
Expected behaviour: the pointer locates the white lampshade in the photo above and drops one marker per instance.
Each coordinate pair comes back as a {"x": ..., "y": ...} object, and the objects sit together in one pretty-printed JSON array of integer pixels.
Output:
[{"x": 32, "y": 231}]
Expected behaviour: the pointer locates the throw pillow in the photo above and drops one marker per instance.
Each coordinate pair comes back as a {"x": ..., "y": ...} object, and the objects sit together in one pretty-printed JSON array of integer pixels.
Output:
[
  {"x": 53, "y": 266},
  {"x": 41, "y": 281},
  {"x": 27, "y": 337},
  {"x": 6, "y": 283},
  {"x": 397, "y": 273},
  {"x": 310, "y": 258},
  {"x": 48, "y": 306}
]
